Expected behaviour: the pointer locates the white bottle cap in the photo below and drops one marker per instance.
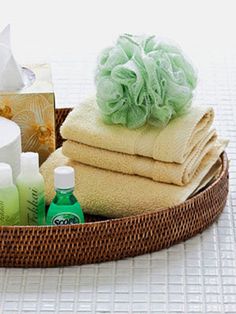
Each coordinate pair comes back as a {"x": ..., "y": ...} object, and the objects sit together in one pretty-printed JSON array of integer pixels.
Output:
[
  {"x": 29, "y": 162},
  {"x": 64, "y": 178},
  {"x": 5, "y": 175}
]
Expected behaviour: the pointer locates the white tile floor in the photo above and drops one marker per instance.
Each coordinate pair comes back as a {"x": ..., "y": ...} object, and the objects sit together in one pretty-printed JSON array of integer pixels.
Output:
[{"x": 198, "y": 276}]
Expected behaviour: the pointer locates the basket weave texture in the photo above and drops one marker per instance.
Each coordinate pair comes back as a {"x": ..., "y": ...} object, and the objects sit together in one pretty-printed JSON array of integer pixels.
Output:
[{"x": 103, "y": 240}]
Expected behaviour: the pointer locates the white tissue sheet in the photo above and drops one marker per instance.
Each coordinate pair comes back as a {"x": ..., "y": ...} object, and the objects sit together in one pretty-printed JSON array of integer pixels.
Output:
[
  {"x": 11, "y": 75},
  {"x": 10, "y": 145}
]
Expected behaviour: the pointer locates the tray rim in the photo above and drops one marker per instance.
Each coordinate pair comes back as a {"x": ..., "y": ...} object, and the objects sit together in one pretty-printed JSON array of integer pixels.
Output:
[{"x": 114, "y": 239}]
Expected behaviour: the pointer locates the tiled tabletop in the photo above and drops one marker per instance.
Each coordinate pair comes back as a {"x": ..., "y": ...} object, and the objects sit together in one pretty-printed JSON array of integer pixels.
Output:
[{"x": 197, "y": 276}]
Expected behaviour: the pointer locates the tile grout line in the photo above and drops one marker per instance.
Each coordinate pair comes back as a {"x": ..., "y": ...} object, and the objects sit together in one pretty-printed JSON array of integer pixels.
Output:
[
  {"x": 232, "y": 214},
  {"x": 59, "y": 286},
  {"x": 202, "y": 276},
  {"x": 220, "y": 269},
  {"x": 131, "y": 285},
  {"x": 113, "y": 286},
  {"x": 185, "y": 279},
  {"x": 149, "y": 283},
  {"x": 42, "y": 273},
  {"x": 2, "y": 303},
  {"x": 23, "y": 280},
  {"x": 167, "y": 281},
  {"x": 95, "y": 288},
  {"x": 78, "y": 275}
]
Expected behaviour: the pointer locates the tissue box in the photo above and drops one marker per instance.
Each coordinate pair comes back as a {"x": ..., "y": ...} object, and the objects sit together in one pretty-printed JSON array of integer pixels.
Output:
[{"x": 33, "y": 109}]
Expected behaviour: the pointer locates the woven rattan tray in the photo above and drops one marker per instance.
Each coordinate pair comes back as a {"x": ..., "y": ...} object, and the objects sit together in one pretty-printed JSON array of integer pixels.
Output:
[{"x": 102, "y": 240}]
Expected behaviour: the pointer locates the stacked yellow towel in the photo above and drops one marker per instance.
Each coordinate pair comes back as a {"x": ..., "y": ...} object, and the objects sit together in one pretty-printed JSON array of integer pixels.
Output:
[
  {"x": 122, "y": 172},
  {"x": 170, "y": 155},
  {"x": 112, "y": 194},
  {"x": 170, "y": 144},
  {"x": 175, "y": 173}
]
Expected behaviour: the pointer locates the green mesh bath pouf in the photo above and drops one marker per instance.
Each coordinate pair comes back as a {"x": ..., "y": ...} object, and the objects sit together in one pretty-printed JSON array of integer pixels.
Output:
[{"x": 143, "y": 80}]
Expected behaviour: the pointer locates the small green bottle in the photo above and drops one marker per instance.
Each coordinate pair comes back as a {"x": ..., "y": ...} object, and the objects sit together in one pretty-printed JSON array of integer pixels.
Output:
[
  {"x": 30, "y": 184},
  {"x": 64, "y": 209},
  {"x": 9, "y": 198}
]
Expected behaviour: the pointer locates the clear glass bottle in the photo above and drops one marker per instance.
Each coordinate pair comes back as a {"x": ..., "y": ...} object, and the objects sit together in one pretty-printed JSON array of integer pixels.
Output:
[
  {"x": 64, "y": 209},
  {"x": 9, "y": 199},
  {"x": 30, "y": 184}
]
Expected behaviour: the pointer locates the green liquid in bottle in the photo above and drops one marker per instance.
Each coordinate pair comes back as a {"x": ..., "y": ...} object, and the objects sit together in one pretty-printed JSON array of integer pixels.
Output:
[
  {"x": 9, "y": 206},
  {"x": 30, "y": 184},
  {"x": 9, "y": 198},
  {"x": 64, "y": 209}
]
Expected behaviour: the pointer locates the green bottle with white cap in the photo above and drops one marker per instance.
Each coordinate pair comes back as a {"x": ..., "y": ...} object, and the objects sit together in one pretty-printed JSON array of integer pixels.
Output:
[
  {"x": 64, "y": 209},
  {"x": 9, "y": 200},
  {"x": 30, "y": 184}
]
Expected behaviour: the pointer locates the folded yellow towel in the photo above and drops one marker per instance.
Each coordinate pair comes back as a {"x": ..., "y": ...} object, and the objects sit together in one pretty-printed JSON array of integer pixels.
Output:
[
  {"x": 113, "y": 194},
  {"x": 210, "y": 177},
  {"x": 170, "y": 144},
  {"x": 167, "y": 172}
]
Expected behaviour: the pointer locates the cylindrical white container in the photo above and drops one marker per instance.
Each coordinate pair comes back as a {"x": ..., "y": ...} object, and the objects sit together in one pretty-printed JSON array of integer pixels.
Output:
[{"x": 10, "y": 145}]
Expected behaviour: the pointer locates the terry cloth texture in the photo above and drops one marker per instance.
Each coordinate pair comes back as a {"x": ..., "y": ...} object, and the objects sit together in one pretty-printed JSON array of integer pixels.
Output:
[
  {"x": 179, "y": 174},
  {"x": 174, "y": 143},
  {"x": 113, "y": 194}
]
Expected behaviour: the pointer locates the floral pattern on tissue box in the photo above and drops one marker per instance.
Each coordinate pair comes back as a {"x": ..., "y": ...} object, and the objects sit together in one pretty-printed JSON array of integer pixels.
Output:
[{"x": 33, "y": 110}]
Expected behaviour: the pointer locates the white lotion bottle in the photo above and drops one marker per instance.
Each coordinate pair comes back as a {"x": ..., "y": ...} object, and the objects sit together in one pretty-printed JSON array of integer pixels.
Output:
[
  {"x": 9, "y": 199},
  {"x": 30, "y": 184}
]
